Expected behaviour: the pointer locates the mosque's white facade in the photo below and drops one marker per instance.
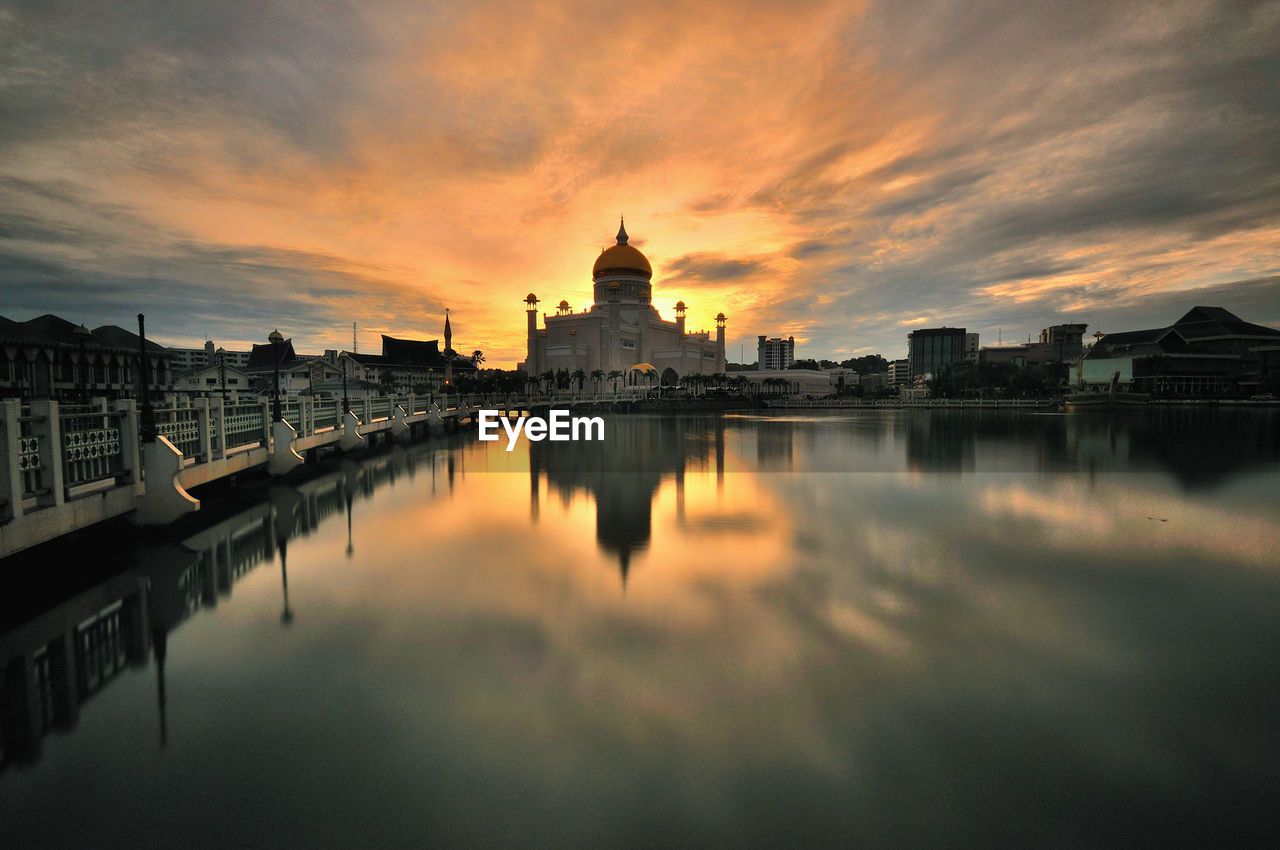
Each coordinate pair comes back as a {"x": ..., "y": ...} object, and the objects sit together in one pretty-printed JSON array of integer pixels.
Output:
[{"x": 621, "y": 330}]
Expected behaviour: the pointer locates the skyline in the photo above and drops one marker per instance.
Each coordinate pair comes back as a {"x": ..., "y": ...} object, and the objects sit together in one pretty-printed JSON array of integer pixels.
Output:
[{"x": 838, "y": 172}]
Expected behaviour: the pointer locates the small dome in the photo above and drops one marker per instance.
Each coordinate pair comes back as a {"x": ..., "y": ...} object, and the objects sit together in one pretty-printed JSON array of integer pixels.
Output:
[
  {"x": 680, "y": 305},
  {"x": 531, "y": 298},
  {"x": 564, "y": 305}
]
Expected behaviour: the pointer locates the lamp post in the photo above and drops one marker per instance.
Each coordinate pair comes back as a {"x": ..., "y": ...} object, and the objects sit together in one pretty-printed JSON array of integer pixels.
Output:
[
  {"x": 147, "y": 419},
  {"x": 275, "y": 339},
  {"x": 82, "y": 333},
  {"x": 222, "y": 371},
  {"x": 346, "y": 402}
]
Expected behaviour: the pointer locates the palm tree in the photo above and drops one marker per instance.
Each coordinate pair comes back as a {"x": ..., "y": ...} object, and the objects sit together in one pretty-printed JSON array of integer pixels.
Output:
[
  {"x": 614, "y": 376},
  {"x": 597, "y": 375},
  {"x": 579, "y": 376},
  {"x": 550, "y": 377},
  {"x": 477, "y": 357}
]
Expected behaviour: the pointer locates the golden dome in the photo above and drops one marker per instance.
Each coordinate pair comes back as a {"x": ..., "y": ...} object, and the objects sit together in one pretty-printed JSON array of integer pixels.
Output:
[{"x": 622, "y": 259}]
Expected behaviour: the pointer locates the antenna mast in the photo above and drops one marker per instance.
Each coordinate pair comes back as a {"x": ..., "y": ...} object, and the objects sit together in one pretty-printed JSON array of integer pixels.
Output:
[{"x": 355, "y": 346}]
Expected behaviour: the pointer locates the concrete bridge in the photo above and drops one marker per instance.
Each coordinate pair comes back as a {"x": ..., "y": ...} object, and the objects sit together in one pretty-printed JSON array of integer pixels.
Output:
[{"x": 66, "y": 467}]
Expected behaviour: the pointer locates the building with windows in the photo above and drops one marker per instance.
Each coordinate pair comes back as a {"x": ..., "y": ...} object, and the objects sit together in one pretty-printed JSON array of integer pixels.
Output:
[
  {"x": 899, "y": 372},
  {"x": 929, "y": 349},
  {"x": 213, "y": 382},
  {"x": 971, "y": 347},
  {"x": 188, "y": 359},
  {"x": 51, "y": 358},
  {"x": 1020, "y": 356},
  {"x": 1208, "y": 352},
  {"x": 1066, "y": 342},
  {"x": 775, "y": 353},
  {"x": 298, "y": 375},
  {"x": 621, "y": 330}
]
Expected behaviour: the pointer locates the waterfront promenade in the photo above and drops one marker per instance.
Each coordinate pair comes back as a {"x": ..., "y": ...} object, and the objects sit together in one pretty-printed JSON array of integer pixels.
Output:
[{"x": 66, "y": 467}]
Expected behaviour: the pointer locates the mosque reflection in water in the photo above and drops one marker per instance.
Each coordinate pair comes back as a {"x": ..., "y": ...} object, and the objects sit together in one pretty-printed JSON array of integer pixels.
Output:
[
  {"x": 57, "y": 660},
  {"x": 624, "y": 471}
]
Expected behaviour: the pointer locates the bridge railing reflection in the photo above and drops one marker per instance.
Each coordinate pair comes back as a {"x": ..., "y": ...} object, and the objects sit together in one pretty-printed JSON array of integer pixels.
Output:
[{"x": 53, "y": 663}]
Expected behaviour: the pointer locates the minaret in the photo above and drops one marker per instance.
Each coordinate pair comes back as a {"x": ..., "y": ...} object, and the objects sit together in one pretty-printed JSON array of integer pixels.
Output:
[
  {"x": 680, "y": 343},
  {"x": 720, "y": 321},
  {"x": 622, "y": 231},
  {"x": 448, "y": 350},
  {"x": 532, "y": 359}
]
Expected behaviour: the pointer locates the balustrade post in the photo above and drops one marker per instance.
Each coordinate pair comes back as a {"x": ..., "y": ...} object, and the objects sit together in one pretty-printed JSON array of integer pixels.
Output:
[
  {"x": 130, "y": 443},
  {"x": 266, "y": 423},
  {"x": 203, "y": 442},
  {"x": 308, "y": 416},
  {"x": 50, "y": 430},
  {"x": 218, "y": 413},
  {"x": 368, "y": 409},
  {"x": 11, "y": 410}
]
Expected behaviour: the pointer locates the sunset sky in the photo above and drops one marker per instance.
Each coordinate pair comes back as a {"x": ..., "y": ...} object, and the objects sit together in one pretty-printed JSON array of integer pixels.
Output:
[{"x": 837, "y": 171}]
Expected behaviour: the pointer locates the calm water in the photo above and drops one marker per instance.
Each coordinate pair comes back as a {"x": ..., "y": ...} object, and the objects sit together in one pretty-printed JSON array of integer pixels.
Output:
[{"x": 863, "y": 629}]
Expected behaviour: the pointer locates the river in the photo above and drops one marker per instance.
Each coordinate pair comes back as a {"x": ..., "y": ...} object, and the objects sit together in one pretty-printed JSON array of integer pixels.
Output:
[{"x": 847, "y": 628}]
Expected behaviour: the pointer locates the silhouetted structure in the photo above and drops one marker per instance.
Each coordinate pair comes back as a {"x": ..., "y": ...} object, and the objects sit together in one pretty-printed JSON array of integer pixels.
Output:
[
  {"x": 1208, "y": 352},
  {"x": 45, "y": 358},
  {"x": 621, "y": 328}
]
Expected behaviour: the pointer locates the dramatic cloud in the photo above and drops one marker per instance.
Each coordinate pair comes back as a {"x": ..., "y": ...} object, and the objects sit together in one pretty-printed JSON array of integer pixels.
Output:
[{"x": 836, "y": 171}]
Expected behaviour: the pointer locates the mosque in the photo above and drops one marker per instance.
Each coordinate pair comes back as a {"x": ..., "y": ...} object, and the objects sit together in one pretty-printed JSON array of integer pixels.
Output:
[{"x": 621, "y": 331}]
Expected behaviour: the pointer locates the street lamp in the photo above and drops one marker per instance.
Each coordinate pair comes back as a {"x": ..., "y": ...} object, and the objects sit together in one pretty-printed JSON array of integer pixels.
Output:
[
  {"x": 346, "y": 402},
  {"x": 82, "y": 333},
  {"x": 222, "y": 371},
  {"x": 275, "y": 339}
]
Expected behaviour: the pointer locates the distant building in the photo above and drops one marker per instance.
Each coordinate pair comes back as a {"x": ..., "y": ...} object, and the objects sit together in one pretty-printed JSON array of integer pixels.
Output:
[
  {"x": 1208, "y": 352},
  {"x": 408, "y": 365},
  {"x": 929, "y": 349},
  {"x": 841, "y": 377},
  {"x": 212, "y": 382},
  {"x": 187, "y": 359},
  {"x": 873, "y": 380},
  {"x": 1058, "y": 344},
  {"x": 775, "y": 353},
  {"x": 971, "y": 347},
  {"x": 1066, "y": 342},
  {"x": 298, "y": 374},
  {"x": 899, "y": 372},
  {"x": 810, "y": 382},
  {"x": 1022, "y": 355}
]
